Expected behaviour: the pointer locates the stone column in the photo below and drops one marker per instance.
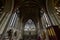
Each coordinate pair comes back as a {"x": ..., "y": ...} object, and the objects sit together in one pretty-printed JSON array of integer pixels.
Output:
[
  {"x": 20, "y": 29},
  {"x": 51, "y": 12},
  {"x": 8, "y": 11}
]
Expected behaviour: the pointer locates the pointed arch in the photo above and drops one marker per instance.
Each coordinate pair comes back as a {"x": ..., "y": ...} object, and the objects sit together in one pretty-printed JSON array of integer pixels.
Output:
[{"x": 29, "y": 25}]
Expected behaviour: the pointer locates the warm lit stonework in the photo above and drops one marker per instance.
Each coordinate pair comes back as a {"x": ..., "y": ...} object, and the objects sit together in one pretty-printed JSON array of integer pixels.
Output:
[{"x": 29, "y": 19}]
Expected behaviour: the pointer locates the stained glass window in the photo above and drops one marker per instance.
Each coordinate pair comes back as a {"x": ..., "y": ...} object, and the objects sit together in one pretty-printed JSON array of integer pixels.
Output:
[{"x": 29, "y": 27}]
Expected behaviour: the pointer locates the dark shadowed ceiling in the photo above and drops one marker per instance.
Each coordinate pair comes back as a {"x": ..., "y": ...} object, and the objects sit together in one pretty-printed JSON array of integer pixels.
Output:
[{"x": 29, "y": 9}]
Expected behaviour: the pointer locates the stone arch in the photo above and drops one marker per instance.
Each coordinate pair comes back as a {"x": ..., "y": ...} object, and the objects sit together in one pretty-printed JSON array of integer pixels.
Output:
[
  {"x": 29, "y": 25},
  {"x": 10, "y": 33},
  {"x": 31, "y": 3},
  {"x": 30, "y": 21},
  {"x": 15, "y": 33},
  {"x": 23, "y": 2}
]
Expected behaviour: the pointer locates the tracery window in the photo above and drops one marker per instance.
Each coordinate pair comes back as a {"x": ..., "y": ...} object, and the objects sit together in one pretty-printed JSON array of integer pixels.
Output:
[
  {"x": 45, "y": 19},
  {"x": 14, "y": 18},
  {"x": 29, "y": 28}
]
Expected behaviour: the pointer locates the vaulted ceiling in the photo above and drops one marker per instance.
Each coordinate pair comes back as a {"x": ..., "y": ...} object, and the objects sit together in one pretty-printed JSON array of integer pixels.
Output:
[{"x": 29, "y": 9}]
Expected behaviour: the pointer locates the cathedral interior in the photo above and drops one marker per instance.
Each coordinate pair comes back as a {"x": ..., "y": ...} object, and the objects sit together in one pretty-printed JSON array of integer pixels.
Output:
[{"x": 29, "y": 19}]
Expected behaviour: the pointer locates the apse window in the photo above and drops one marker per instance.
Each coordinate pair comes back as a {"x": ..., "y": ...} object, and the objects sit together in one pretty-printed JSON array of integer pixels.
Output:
[{"x": 29, "y": 27}]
